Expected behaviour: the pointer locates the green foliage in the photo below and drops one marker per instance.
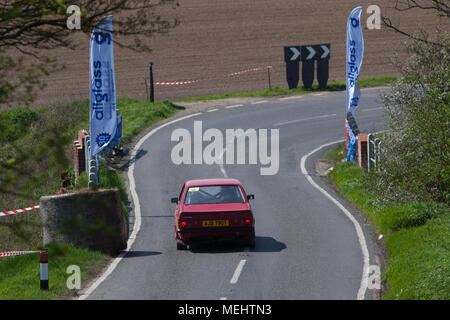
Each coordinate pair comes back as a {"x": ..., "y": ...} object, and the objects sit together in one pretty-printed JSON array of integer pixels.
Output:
[
  {"x": 416, "y": 235},
  {"x": 139, "y": 115},
  {"x": 110, "y": 179},
  {"x": 418, "y": 261},
  {"x": 14, "y": 123},
  {"x": 416, "y": 214},
  {"x": 336, "y": 154},
  {"x": 416, "y": 153},
  {"x": 82, "y": 181}
]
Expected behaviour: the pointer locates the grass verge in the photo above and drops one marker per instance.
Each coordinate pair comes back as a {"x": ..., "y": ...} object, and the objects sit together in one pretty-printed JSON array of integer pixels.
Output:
[
  {"x": 19, "y": 275},
  {"x": 31, "y": 164},
  {"x": 277, "y": 91},
  {"x": 415, "y": 233}
]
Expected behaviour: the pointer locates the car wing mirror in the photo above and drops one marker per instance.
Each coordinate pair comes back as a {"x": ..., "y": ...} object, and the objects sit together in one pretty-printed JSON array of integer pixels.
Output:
[
  {"x": 250, "y": 196},
  {"x": 174, "y": 200}
]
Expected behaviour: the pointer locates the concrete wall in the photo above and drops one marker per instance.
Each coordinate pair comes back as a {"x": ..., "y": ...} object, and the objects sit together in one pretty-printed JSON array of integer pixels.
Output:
[{"x": 91, "y": 219}]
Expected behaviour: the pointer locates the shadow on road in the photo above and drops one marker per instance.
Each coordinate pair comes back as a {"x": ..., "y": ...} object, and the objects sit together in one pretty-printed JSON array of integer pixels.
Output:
[
  {"x": 263, "y": 244},
  {"x": 136, "y": 254},
  {"x": 268, "y": 244},
  {"x": 132, "y": 160}
]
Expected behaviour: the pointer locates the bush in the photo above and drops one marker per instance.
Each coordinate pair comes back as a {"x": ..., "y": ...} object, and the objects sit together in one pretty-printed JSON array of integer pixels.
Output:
[
  {"x": 416, "y": 149},
  {"x": 14, "y": 123}
]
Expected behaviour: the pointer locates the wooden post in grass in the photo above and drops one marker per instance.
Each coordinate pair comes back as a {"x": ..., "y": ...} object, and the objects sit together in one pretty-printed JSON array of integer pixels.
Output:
[
  {"x": 43, "y": 274},
  {"x": 152, "y": 89}
]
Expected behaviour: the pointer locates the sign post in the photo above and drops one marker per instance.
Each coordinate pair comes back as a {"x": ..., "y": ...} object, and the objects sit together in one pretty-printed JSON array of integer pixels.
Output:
[{"x": 292, "y": 59}]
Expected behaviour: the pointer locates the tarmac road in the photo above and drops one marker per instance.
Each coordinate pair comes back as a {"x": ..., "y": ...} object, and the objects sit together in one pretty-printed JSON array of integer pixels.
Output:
[{"x": 306, "y": 247}]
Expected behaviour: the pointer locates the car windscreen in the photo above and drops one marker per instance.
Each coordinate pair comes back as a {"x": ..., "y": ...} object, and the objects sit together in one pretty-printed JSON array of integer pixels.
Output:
[{"x": 214, "y": 194}]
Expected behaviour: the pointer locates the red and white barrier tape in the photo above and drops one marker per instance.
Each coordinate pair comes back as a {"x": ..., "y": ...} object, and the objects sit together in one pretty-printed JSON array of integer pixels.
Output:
[
  {"x": 8, "y": 213},
  {"x": 16, "y": 253},
  {"x": 175, "y": 83},
  {"x": 248, "y": 70}
]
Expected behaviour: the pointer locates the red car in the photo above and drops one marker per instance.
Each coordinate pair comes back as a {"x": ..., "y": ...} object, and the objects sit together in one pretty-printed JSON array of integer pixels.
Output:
[{"x": 213, "y": 209}]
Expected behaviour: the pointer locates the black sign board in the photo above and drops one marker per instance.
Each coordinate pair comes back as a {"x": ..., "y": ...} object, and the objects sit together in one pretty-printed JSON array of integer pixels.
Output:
[{"x": 308, "y": 55}]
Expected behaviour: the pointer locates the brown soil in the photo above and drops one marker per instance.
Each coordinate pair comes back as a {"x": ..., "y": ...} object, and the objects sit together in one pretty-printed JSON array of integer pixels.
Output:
[{"x": 218, "y": 37}]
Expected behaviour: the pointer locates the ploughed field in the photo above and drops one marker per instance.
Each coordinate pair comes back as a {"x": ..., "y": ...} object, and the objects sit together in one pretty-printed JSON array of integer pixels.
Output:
[{"x": 216, "y": 38}]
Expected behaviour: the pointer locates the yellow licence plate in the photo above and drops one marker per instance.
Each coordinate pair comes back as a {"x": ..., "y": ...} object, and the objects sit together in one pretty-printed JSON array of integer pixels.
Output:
[{"x": 215, "y": 223}]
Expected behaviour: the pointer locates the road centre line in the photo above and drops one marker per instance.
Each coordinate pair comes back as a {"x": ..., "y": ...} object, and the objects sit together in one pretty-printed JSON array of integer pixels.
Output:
[
  {"x": 304, "y": 119},
  {"x": 238, "y": 271},
  {"x": 137, "y": 209}
]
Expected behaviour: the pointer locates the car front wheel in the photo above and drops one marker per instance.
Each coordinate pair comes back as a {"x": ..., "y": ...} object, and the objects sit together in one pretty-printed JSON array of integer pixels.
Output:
[{"x": 181, "y": 246}]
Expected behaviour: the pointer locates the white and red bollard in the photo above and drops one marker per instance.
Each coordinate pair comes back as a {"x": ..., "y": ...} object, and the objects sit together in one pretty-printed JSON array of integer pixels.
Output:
[{"x": 43, "y": 275}]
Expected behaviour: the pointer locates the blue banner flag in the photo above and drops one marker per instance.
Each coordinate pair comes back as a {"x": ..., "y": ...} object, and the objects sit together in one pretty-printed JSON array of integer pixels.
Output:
[
  {"x": 103, "y": 117},
  {"x": 355, "y": 53},
  {"x": 352, "y": 139}
]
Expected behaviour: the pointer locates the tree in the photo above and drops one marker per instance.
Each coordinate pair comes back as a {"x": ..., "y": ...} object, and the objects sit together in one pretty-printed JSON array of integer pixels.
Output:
[
  {"x": 440, "y": 7},
  {"x": 29, "y": 26},
  {"x": 416, "y": 153}
]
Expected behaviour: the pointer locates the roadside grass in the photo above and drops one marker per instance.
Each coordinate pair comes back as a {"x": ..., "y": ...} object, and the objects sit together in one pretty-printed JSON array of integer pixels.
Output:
[
  {"x": 19, "y": 275},
  {"x": 138, "y": 115},
  {"x": 415, "y": 233},
  {"x": 40, "y": 134},
  {"x": 33, "y": 142},
  {"x": 277, "y": 91}
]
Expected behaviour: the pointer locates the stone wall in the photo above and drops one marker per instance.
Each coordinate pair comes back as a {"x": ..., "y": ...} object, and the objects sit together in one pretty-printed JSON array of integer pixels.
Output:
[{"x": 91, "y": 219}]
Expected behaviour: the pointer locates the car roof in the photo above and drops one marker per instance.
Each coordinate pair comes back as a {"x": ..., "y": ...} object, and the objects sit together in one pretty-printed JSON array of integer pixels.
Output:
[{"x": 212, "y": 182}]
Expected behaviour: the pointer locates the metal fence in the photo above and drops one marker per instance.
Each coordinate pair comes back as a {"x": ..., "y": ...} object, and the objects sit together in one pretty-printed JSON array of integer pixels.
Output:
[{"x": 373, "y": 153}]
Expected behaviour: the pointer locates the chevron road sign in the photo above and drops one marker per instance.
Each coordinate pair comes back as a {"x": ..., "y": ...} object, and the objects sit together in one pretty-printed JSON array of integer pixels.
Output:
[{"x": 307, "y": 55}]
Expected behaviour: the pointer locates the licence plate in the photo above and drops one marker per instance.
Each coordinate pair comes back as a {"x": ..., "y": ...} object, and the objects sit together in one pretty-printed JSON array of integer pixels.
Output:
[{"x": 215, "y": 223}]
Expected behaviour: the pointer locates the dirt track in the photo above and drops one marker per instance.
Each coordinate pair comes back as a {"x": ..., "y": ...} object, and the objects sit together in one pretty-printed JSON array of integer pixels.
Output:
[{"x": 218, "y": 37}]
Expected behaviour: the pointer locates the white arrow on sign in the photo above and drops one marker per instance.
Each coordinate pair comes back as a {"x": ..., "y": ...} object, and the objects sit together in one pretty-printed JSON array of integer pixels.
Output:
[
  {"x": 326, "y": 52},
  {"x": 312, "y": 53},
  {"x": 296, "y": 53}
]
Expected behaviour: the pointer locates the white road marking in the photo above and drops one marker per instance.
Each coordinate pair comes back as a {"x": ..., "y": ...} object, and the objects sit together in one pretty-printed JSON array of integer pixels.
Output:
[
  {"x": 291, "y": 98},
  {"x": 223, "y": 298},
  {"x": 137, "y": 209},
  {"x": 234, "y": 106},
  {"x": 238, "y": 271},
  {"x": 212, "y": 110},
  {"x": 304, "y": 119},
  {"x": 359, "y": 232},
  {"x": 258, "y": 102}
]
